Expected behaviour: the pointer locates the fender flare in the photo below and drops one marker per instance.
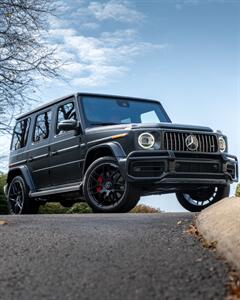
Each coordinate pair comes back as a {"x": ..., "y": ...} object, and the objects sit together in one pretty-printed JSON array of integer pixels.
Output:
[
  {"x": 114, "y": 147},
  {"x": 25, "y": 173}
]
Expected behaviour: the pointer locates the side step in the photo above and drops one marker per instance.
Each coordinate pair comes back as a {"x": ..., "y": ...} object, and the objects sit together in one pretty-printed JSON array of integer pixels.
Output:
[{"x": 72, "y": 188}]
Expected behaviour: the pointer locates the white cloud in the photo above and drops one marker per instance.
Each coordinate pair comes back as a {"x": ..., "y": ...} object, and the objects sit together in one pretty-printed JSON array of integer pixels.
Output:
[
  {"x": 98, "y": 58},
  {"x": 181, "y": 3},
  {"x": 91, "y": 14},
  {"x": 94, "y": 61},
  {"x": 90, "y": 25},
  {"x": 98, "y": 75},
  {"x": 117, "y": 10}
]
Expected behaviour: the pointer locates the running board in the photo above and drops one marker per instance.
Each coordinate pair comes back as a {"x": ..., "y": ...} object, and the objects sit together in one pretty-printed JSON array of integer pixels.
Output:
[{"x": 73, "y": 188}]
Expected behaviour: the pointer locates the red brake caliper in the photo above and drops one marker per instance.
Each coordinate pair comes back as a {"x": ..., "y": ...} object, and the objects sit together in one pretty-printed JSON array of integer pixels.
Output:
[{"x": 99, "y": 187}]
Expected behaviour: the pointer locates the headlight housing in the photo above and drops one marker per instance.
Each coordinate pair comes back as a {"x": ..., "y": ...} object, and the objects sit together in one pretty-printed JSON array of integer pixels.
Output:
[
  {"x": 222, "y": 144},
  {"x": 146, "y": 140}
]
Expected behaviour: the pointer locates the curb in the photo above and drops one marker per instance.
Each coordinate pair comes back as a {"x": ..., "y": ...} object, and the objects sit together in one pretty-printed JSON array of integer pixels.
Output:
[{"x": 220, "y": 223}]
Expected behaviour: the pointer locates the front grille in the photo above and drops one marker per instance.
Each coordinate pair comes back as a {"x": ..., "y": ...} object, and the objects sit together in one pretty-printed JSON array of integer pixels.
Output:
[{"x": 176, "y": 141}]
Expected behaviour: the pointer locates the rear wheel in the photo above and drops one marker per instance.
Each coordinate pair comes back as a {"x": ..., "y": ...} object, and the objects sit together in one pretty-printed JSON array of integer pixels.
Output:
[
  {"x": 18, "y": 198},
  {"x": 196, "y": 201},
  {"x": 105, "y": 188}
]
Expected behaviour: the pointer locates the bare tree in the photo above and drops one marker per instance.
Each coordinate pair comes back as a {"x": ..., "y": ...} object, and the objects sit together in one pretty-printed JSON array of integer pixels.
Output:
[{"x": 24, "y": 54}]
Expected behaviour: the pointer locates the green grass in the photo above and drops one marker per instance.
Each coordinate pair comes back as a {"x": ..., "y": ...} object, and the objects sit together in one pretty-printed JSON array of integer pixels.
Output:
[
  {"x": 83, "y": 208},
  {"x": 80, "y": 208},
  {"x": 142, "y": 208},
  {"x": 238, "y": 190},
  {"x": 52, "y": 208},
  {"x": 57, "y": 208},
  {"x": 3, "y": 203}
]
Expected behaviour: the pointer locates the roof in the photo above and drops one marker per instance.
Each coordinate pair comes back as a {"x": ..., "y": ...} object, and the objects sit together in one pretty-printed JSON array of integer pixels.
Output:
[
  {"x": 41, "y": 107},
  {"x": 45, "y": 105}
]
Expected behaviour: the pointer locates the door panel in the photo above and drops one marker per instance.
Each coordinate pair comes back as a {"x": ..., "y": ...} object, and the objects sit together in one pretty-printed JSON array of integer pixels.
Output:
[
  {"x": 65, "y": 161},
  {"x": 38, "y": 157},
  {"x": 38, "y": 163},
  {"x": 65, "y": 152}
]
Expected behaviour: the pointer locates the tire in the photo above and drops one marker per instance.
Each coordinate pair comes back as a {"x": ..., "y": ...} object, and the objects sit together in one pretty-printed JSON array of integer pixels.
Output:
[
  {"x": 196, "y": 201},
  {"x": 105, "y": 188},
  {"x": 18, "y": 198}
]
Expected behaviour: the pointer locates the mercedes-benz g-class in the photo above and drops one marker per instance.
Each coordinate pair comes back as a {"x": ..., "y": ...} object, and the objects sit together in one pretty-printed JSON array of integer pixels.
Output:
[{"x": 111, "y": 150}]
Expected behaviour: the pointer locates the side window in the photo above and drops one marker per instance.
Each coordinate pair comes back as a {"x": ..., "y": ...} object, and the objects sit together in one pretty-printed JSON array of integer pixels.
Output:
[
  {"x": 65, "y": 112},
  {"x": 42, "y": 127},
  {"x": 20, "y": 134}
]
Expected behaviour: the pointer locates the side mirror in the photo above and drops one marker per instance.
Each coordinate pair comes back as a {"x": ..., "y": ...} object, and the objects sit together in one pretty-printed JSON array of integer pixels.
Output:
[{"x": 68, "y": 125}]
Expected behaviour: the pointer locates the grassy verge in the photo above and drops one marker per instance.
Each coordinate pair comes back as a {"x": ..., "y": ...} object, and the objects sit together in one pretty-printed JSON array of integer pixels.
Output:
[
  {"x": 3, "y": 203},
  {"x": 238, "y": 190},
  {"x": 57, "y": 208},
  {"x": 83, "y": 208}
]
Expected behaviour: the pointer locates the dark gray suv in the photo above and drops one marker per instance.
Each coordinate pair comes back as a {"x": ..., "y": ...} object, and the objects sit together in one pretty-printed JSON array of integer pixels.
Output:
[{"x": 111, "y": 150}]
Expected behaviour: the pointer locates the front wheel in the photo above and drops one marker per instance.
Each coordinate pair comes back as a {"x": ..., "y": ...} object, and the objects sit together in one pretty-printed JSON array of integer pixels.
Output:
[
  {"x": 18, "y": 199},
  {"x": 105, "y": 188},
  {"x": 196, "y": 201}
]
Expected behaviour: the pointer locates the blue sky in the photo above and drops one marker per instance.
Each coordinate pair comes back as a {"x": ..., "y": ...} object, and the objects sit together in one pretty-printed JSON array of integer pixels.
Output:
[{"x": 185, "y": 53}]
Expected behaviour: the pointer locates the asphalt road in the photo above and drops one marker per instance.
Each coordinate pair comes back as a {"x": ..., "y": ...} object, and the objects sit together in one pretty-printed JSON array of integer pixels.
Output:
[{"x": 129, "y": 256}]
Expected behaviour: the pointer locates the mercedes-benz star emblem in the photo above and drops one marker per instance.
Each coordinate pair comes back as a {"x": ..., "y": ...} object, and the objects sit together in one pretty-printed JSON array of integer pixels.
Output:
[{"x": 192, "y": 142}]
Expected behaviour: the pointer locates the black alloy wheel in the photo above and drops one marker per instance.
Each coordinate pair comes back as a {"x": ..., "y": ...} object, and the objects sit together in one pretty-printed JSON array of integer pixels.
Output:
[
  {"x": 106, "y": 189},
  {"x": 18, "y": 198},
  {"x": 196, "y": 201}
]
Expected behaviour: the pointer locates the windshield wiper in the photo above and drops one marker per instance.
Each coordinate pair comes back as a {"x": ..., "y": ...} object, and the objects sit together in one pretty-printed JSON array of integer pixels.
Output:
[{"x": 104, "y": 123}]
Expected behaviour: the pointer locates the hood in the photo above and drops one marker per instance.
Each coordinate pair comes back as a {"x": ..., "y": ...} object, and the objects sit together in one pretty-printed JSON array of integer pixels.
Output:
[
  {"x": 172, "y": 126},
  {"x": 149, "y": 126}
]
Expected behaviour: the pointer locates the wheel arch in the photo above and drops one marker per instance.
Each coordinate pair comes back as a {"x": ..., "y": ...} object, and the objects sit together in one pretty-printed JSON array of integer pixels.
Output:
[
  {"x": 107, "y": 149},
  {"x": 24, "y": 172}
]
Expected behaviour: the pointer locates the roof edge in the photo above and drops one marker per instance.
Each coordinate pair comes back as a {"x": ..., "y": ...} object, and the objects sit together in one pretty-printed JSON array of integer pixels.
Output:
[{"x": 45, "y": 105}]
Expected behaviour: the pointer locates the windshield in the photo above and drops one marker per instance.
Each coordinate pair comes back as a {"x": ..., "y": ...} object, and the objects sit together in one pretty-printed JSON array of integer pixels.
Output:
[{"x": 110, "y": 111}]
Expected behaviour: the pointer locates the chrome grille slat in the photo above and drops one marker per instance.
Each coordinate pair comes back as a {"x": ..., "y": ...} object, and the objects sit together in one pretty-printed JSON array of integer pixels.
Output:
[
  {"x": 175, "y": 141},
  {"x": 179, "y": 141},
  {"x": 183, "y": 142},
  {"x": 210, "y": 143},
  {"x": 199, "y": 142},
  {"x": 167, "y": 139},
  {"x": 213, "y": 143},
  {"x": 204, "y": 149},
  {"x": 206, "y": 141}
]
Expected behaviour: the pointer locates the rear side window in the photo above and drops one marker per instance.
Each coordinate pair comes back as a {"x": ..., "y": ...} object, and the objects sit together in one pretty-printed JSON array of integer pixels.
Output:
[
  {"x": 65, "y": 112},
  {"x": 42, "y": 127},
  {"x": 20, "y": 134}
]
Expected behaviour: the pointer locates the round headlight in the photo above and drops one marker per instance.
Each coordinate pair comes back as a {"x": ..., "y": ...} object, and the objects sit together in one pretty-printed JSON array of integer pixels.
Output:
[
  {"x": 222, "y": 144},
  {"x": 146, "y": 140}
]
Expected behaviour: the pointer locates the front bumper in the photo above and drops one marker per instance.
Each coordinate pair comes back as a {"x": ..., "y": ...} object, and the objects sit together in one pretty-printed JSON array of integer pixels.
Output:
[{"x": 180, "y": 168}]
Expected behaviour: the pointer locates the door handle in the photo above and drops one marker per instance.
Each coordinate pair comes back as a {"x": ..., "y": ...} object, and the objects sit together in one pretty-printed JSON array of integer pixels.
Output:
[
  {"x": 54, "y": 153},
  {"x": 30, "y": 159}
]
